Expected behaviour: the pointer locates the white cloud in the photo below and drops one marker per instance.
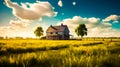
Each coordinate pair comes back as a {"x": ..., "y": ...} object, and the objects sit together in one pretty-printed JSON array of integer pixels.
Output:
[
  {"x": 105, "y": 25},
  {"x": 115, "y": 22},
  {"x": 35, "y": 11},
  {"x": 74, "y": 3},
  {"x": 96, "y": 28},
  {"x": 60, "y": 3},
  {"x": 112, "y": 17},
  {"x": 18, "y": 23},
  {"x": 16, "y": 28},
  {"x": 93, "y": 20}
]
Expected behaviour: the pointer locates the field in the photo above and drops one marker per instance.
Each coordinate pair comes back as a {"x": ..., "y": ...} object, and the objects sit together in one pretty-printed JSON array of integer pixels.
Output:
[{"x": 60, "y": 53}]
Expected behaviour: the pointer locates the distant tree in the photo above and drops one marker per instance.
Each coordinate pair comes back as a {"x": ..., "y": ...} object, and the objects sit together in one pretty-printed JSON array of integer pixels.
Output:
[
  {"x": 81, "y": 30},
  {"x": 38, "y": 31}
]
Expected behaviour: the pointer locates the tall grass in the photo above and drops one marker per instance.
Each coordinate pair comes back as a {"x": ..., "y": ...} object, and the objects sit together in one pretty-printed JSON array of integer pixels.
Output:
[{"x": 48, "y": 53}]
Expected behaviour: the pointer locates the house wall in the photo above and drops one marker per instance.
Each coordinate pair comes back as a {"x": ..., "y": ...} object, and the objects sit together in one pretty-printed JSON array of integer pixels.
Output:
[
  {"x": 48, "y": 33},
  {"x": 54, "y": 33},
  {"x": 61, "y": 33},
  {"x": 66, "y": 34},
  {"x": 53, "y": 37}
]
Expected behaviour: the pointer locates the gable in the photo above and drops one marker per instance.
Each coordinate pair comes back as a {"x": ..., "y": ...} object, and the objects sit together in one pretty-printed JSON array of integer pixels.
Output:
[
  {"x": 50, "y": 29},
  {"x": 61, "y": 28},
  {"x": 66, "y": 29}
]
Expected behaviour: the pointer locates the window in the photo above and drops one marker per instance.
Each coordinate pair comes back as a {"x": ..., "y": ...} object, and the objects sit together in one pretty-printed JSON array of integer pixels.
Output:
[
  {"x": 56, "y": 32},
  {"x": 51, "y": 32}
]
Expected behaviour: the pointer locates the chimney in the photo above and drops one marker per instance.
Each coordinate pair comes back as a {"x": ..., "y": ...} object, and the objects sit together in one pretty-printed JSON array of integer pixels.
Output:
[
  {"x": 61, "y": 24},
  {"x": 50, "y": 25}
]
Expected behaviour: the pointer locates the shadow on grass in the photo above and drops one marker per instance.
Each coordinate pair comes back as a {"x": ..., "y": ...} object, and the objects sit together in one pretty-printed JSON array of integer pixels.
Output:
[
  {"x": 2, "y": 43},
  {"x": 114, "y": 50},
  {"x": 88, "y": 44},
  {"x": 21, "y": 50},
  {"x": 105, "y": 61}
]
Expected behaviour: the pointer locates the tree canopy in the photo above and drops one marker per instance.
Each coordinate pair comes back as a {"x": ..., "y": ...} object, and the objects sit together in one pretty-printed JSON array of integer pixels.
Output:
[
  {"x": 81, "y": 30},
  {"x": 38, "y": 31}
]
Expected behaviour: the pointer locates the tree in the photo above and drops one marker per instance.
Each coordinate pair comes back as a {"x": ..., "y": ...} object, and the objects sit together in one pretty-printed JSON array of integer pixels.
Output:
[
  {"x": 38, "y": 31},
  {"x": 81, "y": 30}
]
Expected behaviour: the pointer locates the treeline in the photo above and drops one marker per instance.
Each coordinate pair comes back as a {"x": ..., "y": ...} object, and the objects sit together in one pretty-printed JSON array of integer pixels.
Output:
[
  {"x": 85, "y": 38},
  {"x": 102, "y": 38}
]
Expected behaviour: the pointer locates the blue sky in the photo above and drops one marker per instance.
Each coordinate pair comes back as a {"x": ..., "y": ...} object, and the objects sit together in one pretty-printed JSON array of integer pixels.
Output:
[
  {"x": 97, "y": 9},
  {"x": 84, "y": 8}
]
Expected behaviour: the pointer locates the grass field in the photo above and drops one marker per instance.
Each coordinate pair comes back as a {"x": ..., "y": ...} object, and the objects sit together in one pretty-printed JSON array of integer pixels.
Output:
[{"x": 59, "y": 53}]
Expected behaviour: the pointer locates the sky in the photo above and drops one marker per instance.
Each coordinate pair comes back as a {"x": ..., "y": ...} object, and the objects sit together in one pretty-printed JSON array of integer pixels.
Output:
[{"x": 19, "y": 18}]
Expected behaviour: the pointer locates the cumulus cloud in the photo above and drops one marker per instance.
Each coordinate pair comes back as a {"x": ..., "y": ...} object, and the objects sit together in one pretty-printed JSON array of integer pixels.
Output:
[
  {"x": 112, "y": 17},
  {"x": 60, "y": 3},
  {"x": 16, "y": 28},
  {"x": 115, "y": 22},
  {"x": 18, "y": 23},
  {"x": 96, "y": 28},
  {"x": 31, "y": 11}
]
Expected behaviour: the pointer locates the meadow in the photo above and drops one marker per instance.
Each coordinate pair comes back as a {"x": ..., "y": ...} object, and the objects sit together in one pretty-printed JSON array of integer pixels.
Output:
[{"x": 60, "y": 53}]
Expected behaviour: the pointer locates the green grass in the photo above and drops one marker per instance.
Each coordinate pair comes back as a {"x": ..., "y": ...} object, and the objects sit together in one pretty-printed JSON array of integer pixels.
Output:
[{"x": 55, "y": 53}]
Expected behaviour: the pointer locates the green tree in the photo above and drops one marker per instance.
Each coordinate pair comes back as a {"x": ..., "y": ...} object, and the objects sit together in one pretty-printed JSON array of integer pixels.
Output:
[
  {"x": 38, "y": 31},
  {"x": 81, "y": 30}
]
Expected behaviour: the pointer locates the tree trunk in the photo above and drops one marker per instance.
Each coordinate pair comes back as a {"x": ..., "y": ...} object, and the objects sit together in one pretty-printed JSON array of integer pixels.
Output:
[
  {"x": 39, "y": 37},
  {"x": 81, "y": 37}
]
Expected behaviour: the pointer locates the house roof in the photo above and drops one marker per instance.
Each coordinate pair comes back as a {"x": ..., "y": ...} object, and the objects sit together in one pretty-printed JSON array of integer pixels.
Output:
[{"x": 60, "y": 28}]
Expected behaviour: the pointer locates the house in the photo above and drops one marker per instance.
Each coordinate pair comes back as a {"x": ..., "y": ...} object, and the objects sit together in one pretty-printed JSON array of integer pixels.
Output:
[{"x": 57, "y": 32}]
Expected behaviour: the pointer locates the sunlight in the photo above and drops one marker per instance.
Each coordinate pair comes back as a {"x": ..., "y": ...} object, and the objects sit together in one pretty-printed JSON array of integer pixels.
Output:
[{"x": 24, "y": 35}]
